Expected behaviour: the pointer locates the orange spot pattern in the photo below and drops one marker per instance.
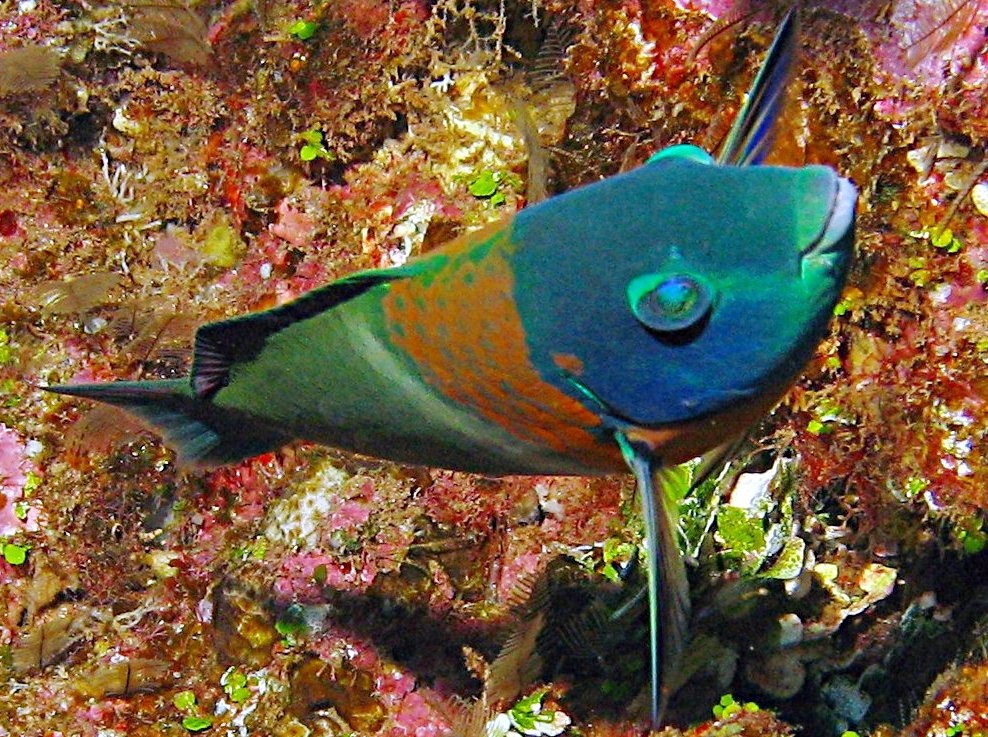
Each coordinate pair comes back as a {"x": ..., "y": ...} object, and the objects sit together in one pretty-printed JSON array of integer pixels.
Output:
[
  {"x": 463, "y": 330},
  {"x": 569, "y": 363}
]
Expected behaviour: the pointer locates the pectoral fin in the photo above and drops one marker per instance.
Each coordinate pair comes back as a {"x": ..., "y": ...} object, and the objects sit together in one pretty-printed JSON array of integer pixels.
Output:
[
  {"x": 668, "y": 589},
  {"x": 713, "y": 461}
]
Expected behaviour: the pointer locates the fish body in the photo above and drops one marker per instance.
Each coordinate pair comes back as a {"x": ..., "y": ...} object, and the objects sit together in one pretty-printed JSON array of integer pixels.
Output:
[
  {"x": 635, "y": 323},
  {"x": 517, "y": 351}
]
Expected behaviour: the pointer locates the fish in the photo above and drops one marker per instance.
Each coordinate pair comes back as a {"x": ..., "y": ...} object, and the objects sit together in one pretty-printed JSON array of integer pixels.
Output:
[{"x": 633, "y": 323}]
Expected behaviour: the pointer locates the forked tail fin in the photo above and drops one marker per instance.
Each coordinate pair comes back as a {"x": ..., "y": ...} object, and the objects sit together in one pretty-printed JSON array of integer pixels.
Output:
[{"x": 201, "y": 433}]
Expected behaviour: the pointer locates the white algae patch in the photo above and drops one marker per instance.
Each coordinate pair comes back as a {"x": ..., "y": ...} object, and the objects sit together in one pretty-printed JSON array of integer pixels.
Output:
[{"x": 298, "y": 519}]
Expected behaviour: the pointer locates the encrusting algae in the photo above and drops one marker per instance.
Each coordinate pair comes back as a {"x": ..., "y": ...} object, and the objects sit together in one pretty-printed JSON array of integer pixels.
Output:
[{"x": 151, "y": 171}]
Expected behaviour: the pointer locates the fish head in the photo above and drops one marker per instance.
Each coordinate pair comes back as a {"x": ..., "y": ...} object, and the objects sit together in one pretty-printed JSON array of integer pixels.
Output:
[{"x": 697, "y": 286}]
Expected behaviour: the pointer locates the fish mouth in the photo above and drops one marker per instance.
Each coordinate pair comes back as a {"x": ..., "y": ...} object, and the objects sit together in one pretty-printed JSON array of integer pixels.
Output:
[{"x": 840, "y": 220}]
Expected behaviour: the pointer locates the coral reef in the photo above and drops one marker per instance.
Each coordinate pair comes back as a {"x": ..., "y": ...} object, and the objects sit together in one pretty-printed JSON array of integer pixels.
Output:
[{"x": 163, "y": 164}]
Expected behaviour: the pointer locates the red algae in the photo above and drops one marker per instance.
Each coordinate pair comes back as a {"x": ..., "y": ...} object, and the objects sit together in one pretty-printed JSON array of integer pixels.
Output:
[
  {"x": 8, "y": 223},
  {"x": 956, "y": 704},
  {"x": 16, "y": 475}
]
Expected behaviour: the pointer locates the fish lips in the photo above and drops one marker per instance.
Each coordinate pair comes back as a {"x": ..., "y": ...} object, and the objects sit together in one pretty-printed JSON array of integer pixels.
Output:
[{"x": 832, "y": 244}]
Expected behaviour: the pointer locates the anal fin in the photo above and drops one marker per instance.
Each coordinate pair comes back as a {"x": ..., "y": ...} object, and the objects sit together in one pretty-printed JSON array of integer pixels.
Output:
[{"x": 715, "y": 460}]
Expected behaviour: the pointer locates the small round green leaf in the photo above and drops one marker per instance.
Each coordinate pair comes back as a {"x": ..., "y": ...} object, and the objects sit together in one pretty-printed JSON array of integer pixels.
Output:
[
  {"x": 184, "y": 700},
  {"x": 14, "y": 554},
  {"x": 303, "y": 29},
  {"x": 313, "y": 136},
  {"x": 197, "y": 724},
  {"x": 484, "y": 185},
  {"x": 320, "y": 573}
]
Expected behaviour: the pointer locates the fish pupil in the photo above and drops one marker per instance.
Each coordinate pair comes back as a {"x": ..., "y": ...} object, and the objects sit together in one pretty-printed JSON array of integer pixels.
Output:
[
  {"x": 670, "y": 303},
  {"x": 676, "y": 297}
]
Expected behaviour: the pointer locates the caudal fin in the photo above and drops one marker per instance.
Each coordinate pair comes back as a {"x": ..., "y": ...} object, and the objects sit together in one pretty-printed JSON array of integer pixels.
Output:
[{"x": 200, "y": 432}]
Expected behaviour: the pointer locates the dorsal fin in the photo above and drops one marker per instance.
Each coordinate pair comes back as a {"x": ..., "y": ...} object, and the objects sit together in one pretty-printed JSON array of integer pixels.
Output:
[
  {"x": 219, "y": 345},
  {"x": 752, "y": 133}
]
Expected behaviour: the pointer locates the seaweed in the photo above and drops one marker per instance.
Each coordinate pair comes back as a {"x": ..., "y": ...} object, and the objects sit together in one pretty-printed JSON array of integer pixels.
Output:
[
  {"x": 170, "y": 28},
  {"x": 126, "y": 678},
  {"x": 941, "y": 30},
  {"x": 28, "y": 69},
  {"x": 154, "y": 335},
  {"x": 72, "y": 296},
  {"x": 48, "y": 641},
  {"x": 100, "y": 430}
]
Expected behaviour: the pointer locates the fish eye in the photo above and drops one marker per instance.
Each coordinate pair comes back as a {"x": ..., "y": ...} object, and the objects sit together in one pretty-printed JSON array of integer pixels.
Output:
[{"x": 670, "y": 303}]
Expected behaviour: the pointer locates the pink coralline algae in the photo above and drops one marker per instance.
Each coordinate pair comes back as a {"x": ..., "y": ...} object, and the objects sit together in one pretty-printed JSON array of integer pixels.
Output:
[
  {"x": 931, "y": 41},
  {"x": 294, "y": 225},
  {"x": 303, "y": 576},
  {"x": 715, "y": 8},
  {"x": 518, "y": 568},
  {"x": 252, "y": 484},
  {"x": 918, "y": 43},
  {"x": 171, "y": 248},
  {"x": 348, "y": 515},
  {"x": 14, "y": 469},
  {"x": 417, "y": 718},
  {"x": 394, "y": 685}
]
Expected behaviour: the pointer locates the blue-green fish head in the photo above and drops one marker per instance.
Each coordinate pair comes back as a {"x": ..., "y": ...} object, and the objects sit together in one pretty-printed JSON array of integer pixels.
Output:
[{"x": 722, "y": 287}]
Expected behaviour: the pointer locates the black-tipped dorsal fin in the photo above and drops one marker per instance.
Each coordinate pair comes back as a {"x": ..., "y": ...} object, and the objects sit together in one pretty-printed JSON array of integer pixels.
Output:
[
  {"x": 751, "y": 135},
  {"x": 220, "y": 345}
]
